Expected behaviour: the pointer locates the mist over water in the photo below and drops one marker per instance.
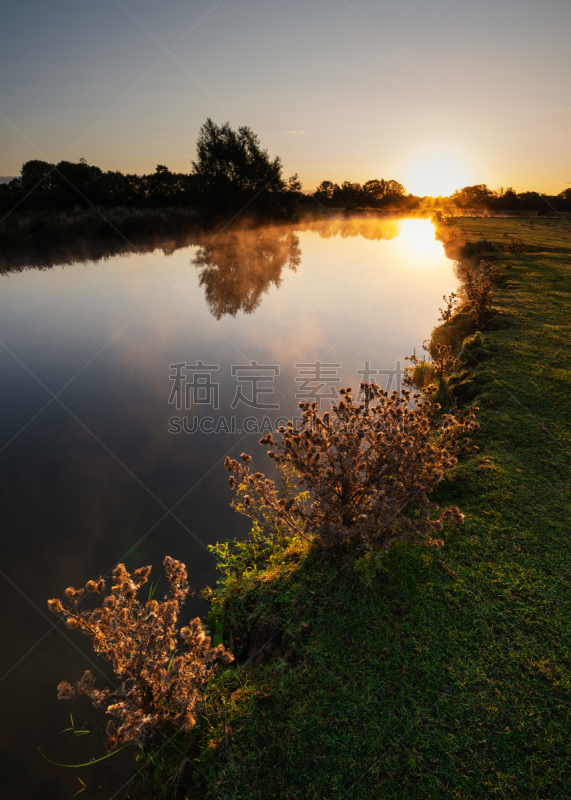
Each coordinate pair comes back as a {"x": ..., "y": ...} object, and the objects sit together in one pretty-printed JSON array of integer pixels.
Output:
[{"x": 92, "y": 476}]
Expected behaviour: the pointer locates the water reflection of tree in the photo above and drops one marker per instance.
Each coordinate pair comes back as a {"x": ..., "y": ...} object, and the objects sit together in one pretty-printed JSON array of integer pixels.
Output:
[
  {"x": 236, "y": 268},
  {"x": 81, "y": 250},
  {"x": 372, "y": 229}
]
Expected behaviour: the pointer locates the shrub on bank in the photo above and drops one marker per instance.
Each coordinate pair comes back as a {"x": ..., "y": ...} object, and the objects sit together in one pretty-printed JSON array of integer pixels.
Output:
[
  {"x": 481, "y": 285},
  {"x": 471, "y": 249},
  {"x": 368, "y": 467}
]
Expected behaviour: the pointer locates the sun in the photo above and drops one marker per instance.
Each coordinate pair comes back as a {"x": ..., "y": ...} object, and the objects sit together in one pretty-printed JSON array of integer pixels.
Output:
[{"x": 437, "y": 174}]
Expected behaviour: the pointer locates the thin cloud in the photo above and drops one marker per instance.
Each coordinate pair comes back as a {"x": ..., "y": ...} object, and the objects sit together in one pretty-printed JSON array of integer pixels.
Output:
[{"x": 295, "y": 133}]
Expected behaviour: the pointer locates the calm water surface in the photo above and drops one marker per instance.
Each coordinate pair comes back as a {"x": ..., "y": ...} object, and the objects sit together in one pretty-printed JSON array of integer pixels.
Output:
[{"x": 91, "y": 475}]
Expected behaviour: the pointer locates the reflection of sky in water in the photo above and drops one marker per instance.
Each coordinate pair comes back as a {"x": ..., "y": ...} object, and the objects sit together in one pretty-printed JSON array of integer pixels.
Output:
[{"x": 94, "y": 482}]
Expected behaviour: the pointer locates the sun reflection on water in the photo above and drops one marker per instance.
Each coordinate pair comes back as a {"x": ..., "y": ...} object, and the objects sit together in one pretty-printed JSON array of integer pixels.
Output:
[{"x": 417, "y": 235}]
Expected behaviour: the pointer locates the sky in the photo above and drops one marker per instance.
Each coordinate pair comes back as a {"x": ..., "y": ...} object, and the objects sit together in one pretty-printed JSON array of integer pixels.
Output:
[{"x": 432, "y": 93}]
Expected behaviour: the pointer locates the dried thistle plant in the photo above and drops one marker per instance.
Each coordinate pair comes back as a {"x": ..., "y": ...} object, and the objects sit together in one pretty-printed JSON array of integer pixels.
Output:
[
  {"x": 423, "y": 371},
  {"x": 447, "y": 313},
  {"x": 161, "y": 669},
  {"x": 445, "y": 362},
  {"x": 516, "y": 245},
  {"x": 480, "y": 290},
  {"x": 368, "y": 468}
]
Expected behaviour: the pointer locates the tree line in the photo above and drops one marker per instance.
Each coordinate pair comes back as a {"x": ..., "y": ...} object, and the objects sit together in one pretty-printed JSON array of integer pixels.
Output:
[
  {"x": 372, "y": 194},
  {"x": 233, "y": 173},
  {"x": 479, "y": 197},
  {"x": 42, "y": 186}
]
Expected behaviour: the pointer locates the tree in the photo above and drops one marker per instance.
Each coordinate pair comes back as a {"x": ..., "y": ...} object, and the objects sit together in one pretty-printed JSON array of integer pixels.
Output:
[
  {"x": 161, "y": 187},
  {"x": 394, "y": 189},
  {"x": 471, "y": 196},
  {"x": 77, "y": 184},
  {"x": 35, "y": 184},
  {"x": 325, "y": 192},
  {"x": 232, "y": 170},
  {"x": 351, "y": 194},
  {"x": 504, "y": 199},
  {"x": 564, "y": 199},
  {"x": 375, "y": 191},
  {"x": 381, "y": 192}
]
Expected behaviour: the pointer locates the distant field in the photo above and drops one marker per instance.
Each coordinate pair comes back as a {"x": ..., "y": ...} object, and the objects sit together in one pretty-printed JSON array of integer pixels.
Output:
[{"x": 549, "y": 234}]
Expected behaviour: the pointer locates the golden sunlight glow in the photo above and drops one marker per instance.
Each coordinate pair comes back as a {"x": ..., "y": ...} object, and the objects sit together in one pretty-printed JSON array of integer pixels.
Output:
[
  {"x": 436, "y": 174},
  {"x": 417, "y": 235}
]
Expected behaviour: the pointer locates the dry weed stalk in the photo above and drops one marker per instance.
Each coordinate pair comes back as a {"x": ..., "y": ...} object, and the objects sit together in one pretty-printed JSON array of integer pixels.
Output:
[
  {"x": 368, "y": 467},
  {"x": 447, "y": 313},
  {"x": 423, "y": 371},
  {"x": 160, "y": 682},
  {"x": 516, "y": 245},
  {"x": 445, "y": 361},
  {"x": 480, "y": 290}
]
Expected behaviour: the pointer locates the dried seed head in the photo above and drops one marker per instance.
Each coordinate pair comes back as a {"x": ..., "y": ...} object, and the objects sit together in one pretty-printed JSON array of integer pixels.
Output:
[
  {"x": 64, "y": 691},
  {"x": 55, "y": 606}
]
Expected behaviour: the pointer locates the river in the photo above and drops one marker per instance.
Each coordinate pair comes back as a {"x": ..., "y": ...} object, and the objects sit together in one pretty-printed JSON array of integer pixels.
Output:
[{"x": 127, "y": 377}]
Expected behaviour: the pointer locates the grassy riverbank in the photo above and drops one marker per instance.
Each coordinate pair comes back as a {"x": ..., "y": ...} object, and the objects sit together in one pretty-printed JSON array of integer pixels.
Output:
[{"x": 449, "y": 675}]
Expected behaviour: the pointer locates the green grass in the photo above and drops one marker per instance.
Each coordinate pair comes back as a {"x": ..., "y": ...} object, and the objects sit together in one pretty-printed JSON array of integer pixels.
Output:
[{"x": 450, "y": 675}]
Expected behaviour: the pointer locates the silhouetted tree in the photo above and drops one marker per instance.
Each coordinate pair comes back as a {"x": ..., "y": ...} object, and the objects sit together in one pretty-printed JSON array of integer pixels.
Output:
[
  {"x": 77, "y": 184},
  {"x": 375, "y": 191},
  {"x": 325, "y": 192},
  {"x": 35, "y": 184},
  {"x": 373, "y": 194},
  {"x": 564, "y": 200},
  {"x": 531, "y": 201},
  {"x": 504, "y": 200},
  {"x": 393, "y": 191},
  {"x": 233, "y": 171},
  {"x": 166, "y": 188},
  {"x": 472, "y": 196}
]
